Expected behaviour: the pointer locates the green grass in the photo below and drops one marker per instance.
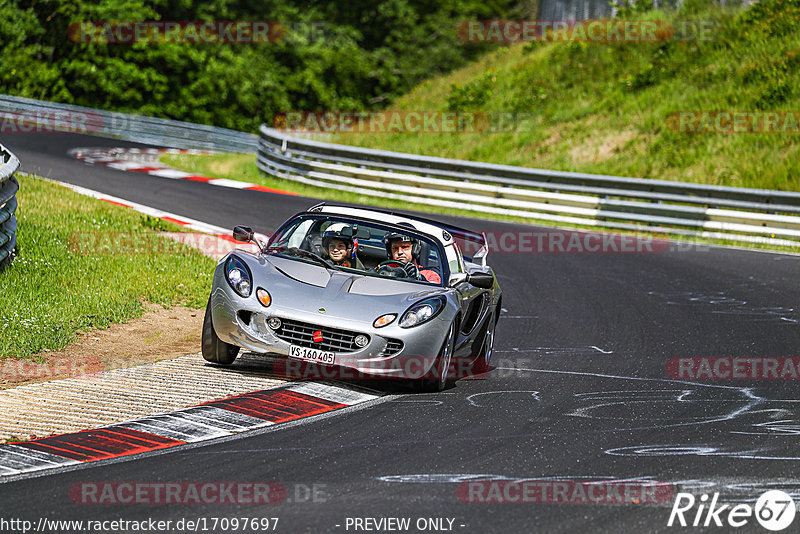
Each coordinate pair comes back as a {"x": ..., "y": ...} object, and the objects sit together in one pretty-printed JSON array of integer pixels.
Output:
[
  {"x": 603, "y": 108},
  {"x": 83, "y": 263}
]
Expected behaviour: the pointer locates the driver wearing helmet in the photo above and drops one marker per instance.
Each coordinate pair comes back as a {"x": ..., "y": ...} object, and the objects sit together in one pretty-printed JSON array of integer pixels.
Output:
[
  {"x": 405, "y": 250},
  {"x": 338, "y": 246}
]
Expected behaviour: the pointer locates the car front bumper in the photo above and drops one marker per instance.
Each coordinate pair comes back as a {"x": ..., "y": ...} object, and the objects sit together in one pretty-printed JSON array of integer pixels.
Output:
[{"x": 243, "y": 322}]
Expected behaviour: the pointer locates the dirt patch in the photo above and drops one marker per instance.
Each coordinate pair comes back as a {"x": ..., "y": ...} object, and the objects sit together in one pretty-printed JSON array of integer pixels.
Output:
[
  {"x": 160, "y": 334},
  {"x": 598, "y": 149},
  {"x": 228, "y": 166}
]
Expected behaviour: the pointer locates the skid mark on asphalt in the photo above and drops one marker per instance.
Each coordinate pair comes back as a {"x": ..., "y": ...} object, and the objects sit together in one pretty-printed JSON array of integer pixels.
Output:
[
  {"x": 759, "y": 453},
  {"x": 557, "y": 351},
  {"x": 483, "y": 402},
  {"x": 738, "y": 410},
  {"x": 720, "y": 303},
  {"x": 731, "y": 489}
]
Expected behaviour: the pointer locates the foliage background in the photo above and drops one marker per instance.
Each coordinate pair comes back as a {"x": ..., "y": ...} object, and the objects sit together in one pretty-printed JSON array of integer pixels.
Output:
[{"x": 369, "y": 53}]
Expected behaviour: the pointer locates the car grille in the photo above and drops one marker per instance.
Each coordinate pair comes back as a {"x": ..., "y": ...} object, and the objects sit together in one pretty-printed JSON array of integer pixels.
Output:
[
  {"x": 333, "y": 339},
  {"x": 393, "y": 346}
]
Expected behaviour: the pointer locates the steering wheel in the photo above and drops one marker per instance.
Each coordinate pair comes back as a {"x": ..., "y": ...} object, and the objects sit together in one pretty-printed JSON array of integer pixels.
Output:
[
  {"x": 398, "y": 269},
  {"x": 391, "y": 268}
]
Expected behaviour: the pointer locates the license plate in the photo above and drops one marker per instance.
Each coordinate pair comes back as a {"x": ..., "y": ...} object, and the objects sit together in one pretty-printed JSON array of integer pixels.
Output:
[{"x": 312, "y": 355}]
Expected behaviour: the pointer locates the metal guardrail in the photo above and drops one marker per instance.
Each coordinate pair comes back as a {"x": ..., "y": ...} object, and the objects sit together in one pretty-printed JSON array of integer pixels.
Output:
[
  {"x": 755, "y": 215},
  {"x": 8, "y": 204},
  {"x": 560, "y": 197},
  {"x": 27, "y": 114}
]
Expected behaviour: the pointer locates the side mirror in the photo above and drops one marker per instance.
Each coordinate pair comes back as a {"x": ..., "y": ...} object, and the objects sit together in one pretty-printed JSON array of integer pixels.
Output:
[
  {"x": 481, "y": 280},
  {"x": 458, "y": 278},
  {"x": 243, "y": 234}
]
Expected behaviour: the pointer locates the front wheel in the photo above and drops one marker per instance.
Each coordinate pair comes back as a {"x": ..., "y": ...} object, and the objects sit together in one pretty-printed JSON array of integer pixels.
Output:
[
  {"x": 214, "y": 349},
  {"x": 441, "y": 365}
]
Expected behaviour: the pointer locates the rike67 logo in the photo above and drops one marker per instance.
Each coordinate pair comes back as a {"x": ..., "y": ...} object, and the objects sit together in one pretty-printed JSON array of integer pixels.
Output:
[{"x": 774, "y": 510}]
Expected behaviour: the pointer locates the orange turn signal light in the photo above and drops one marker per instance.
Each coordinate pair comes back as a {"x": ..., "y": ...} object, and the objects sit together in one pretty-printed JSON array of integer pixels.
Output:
[{"x": 263, "y": 297}]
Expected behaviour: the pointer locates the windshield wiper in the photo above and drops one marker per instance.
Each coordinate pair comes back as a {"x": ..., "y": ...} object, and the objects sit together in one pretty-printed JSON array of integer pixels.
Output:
[{"x": 311, "y": 255}]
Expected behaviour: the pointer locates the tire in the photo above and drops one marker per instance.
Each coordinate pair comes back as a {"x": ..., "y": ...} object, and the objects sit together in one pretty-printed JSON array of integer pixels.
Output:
[
  {"x": 441, "y": 366},
  {"x": 214, "y": 349},
  {"x": 481, "y": 364}
]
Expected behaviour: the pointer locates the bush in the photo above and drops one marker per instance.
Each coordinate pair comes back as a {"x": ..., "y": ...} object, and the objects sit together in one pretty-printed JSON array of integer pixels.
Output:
[{"x": 334, "y": 56}]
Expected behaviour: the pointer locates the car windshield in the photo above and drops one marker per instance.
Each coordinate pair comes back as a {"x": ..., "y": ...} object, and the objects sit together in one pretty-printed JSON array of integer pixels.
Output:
[{"x": 367, "y": 248}]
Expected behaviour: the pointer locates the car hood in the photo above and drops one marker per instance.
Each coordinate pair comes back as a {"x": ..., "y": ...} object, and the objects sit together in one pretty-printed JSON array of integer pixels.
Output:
[{"x": 307, "y": 287}]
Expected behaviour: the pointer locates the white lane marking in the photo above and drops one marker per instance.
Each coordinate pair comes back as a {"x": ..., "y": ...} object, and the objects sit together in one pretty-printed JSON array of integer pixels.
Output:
[
  {"x": 186, "y": 426},
  {"x": 598, "y": 349},
  {"x": 332, "y": 393},
  {"x": 176, "y": 427},
  {"x": 15, "y": 459},
  {"x": 126, "y": 165},
  {"x": 224, "y": 182},
  {"x": 223, "y": 419},
  {"x": 168, "y": 173}
]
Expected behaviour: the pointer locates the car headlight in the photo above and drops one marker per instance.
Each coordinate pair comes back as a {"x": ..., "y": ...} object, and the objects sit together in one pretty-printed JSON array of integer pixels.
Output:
[
  {"x": 422, "y": 312},
  {"x": 238, "y": 276}
]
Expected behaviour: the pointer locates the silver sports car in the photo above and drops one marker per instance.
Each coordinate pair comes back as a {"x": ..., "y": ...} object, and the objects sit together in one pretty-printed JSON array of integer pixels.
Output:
[{"x": 368, "y": 292}]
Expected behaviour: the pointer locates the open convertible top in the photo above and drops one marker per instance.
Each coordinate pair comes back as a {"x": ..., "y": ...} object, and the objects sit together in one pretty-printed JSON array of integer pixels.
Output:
[{"x": 473, "y": 240}]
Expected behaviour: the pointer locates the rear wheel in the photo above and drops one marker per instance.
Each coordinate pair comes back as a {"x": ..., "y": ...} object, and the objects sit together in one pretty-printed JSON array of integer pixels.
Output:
[
  {"x": 214, "y": 349},
  {"x": 441, "y": 365}
]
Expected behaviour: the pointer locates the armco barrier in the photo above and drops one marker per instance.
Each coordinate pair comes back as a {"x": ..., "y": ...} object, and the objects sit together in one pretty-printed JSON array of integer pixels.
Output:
[
  {"x": 637, "y": 204},
  {"x": 8, "y": 204},
  {"x": 25, "y": 114}
]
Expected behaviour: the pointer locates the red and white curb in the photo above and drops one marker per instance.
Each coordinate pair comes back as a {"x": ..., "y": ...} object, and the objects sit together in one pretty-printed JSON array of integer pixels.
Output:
[
  {"x": 220, "y": 418},
  {"x": 145, "y": 160}
]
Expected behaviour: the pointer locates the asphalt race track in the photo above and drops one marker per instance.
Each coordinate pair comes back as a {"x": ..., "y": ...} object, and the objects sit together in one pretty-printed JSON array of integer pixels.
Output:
[{"x": 580, "y": 392}]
